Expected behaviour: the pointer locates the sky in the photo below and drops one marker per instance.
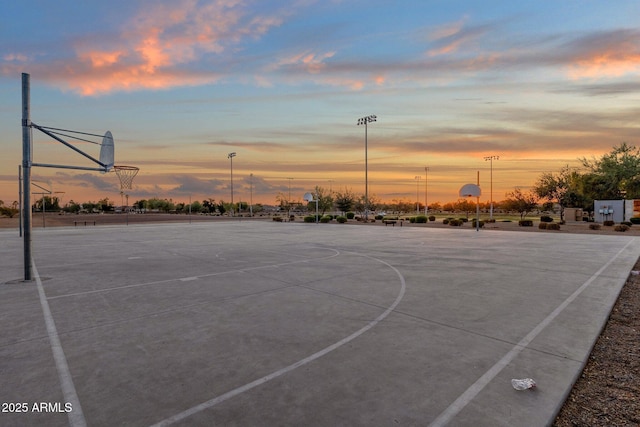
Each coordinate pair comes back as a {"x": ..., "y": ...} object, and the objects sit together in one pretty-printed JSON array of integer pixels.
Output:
[{"x": 182, "y": 83}]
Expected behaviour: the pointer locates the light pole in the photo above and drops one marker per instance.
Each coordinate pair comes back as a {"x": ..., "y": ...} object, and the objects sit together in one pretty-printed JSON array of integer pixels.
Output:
[
  {"x": 230, "y": 156},
  {"x": 418, "y": 193},
  {"x": 426, "y": 193},
  {"x": 491, "y": 159},
  {"x": 251, "y": 195},
  {"x": 364, "y": 121}
]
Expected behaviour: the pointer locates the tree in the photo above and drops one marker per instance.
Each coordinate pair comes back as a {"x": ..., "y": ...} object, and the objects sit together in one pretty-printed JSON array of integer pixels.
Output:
[
  {"x": 51, "y": 204},
  {"x": 345, "y": 201},
  {"x": 465, "y": 205},
  {"x": 561, "y": 188},
  {"x": 209, "y": 205},
  {"x": 72, "y": 207},
  {"x": 616, "y": 173},
  {"x": 221, "y": 206},
  {"x": 9, "y": 211},
  {"x": 325, "y": 200},
  {"x": 520, "y": 202},
  {"x": 105, "y": 205}
]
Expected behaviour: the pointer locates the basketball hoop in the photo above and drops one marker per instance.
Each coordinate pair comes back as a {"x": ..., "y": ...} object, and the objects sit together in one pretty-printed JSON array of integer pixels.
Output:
[{"x": 126, "y": 175}]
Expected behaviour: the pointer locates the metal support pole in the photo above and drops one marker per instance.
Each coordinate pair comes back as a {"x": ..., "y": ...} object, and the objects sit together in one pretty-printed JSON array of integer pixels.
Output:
[
  {"x": 26, "y": 172},
  {"x": 20, "y": 196},
  {"x": 426, "y": 191}
]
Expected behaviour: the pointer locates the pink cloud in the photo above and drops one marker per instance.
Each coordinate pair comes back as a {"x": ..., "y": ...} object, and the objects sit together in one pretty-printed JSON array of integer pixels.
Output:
[
  {"x": 159, "y": 41},
  {"x": 605, "y": 64}
]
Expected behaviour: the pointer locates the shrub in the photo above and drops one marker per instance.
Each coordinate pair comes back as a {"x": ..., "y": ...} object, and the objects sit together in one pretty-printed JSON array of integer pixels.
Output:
[
  {"x": 455, "y": 222},
  {"x": 309, "y": 218},
  {"x": 341, "y": 219},
  {"x": 635, "y": 220},
  {"x": 433, "y": 218},
  {"x": 378, "y": 217},
  {"x": 621, "y": 227},
  {"x": 421, "y": 219},
  {"x": 542, "y": 226},
  {"x": 464, "y": 219},
  {"x": 525, "y": 223},
  {"x": 553, "y": 226},
  {"x": 445, "y": 221},
  {"x": 412, "y": 219},
  {"x": 292, "y": 217},
  {"x": 546, "y": 218},
  {"x": 594, "y": 226},
  {"x": 491, "y": 220},
  {"x": 480, "y": 224},
  {"x": 325, "y": 219},
  {"x": 277, "y": 218},
  {"x": 351, "y": 215},
  {"x": 608, "y": 223}
]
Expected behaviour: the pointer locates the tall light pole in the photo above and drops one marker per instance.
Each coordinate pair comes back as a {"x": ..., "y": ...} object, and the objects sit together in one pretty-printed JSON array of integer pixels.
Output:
[
  {"x": 230, "y": 156},
  {"x": 364, "y": 121},
  {"x": 491, "y": 159},
  {"x": 426, "y": 191},
  {"x": 418, "y": 193}
]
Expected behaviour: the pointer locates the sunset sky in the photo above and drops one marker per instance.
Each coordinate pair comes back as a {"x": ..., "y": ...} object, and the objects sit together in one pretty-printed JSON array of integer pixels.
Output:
[{"x": 182, "y": 83}]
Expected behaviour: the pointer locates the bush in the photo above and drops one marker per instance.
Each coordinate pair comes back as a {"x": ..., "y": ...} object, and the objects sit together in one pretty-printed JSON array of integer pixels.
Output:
[
  {"x": 455, "y": 222},
  {"x": 464, "y": 219},
  {"x": 542, "y": 226},
  {"x": 445, "y": 221},
  {"x": 351, "y": 215},
  {"x": 553, "y": 226},
  {"x": 594, "y": 226},
  {"x": 480, "y": 224},
  {"x": 621, "y": 227},
  {"x": 421, "y": 219},
  {"x": 277, "y": 218},
  {"x": 341, "y": 219},
  {"x": 491, "y": 220},
  {"x": 608, "y": 223},
  {"x": 309, "y": 218},
  {"x": 546, "y": 218},
  {"x": 525, "y": 223},
  {"x": 412, "y": 219},
  {"x": 325, "y": 219},
  {"x": 378, "y": 217},
  {"x": 433, "y": 218},
  {"x": 635, "y": 220}
]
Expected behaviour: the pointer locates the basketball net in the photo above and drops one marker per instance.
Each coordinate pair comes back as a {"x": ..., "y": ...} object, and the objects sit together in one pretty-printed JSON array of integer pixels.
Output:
[{"x": 126, "y": 175}]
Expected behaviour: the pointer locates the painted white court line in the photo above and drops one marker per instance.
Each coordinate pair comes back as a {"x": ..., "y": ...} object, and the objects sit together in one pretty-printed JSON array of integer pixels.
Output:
[
  {"x": 216, "y": 400},
  {"x": 76, "y": 416},
  {"x": 185, "y": 279},
  {"x": 465, "y": 398}
]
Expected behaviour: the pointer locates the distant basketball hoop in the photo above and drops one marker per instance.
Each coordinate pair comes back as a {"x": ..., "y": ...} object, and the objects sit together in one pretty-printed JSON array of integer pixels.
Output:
[{"x": 126, "y": 175}]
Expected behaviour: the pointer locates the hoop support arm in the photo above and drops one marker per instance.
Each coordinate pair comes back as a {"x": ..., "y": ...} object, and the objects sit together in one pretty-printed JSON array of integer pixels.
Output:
[
  {"x": 44, "y": 165},
  {"x": 77, "y": 150}
]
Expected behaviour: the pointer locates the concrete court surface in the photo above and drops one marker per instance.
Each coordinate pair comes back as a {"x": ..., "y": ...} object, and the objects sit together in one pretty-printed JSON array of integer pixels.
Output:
[{"x": 255, "y": 323}]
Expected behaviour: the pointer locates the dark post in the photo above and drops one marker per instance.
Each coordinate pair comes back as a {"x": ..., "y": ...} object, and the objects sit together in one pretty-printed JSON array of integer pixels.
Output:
[{"x": 26, "y": 174}]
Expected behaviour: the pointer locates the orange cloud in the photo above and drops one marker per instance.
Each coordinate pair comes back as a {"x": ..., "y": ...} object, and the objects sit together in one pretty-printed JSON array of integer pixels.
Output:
[
  {"x": 606, "y": 64},
  {"x": 163, "y": 38}
]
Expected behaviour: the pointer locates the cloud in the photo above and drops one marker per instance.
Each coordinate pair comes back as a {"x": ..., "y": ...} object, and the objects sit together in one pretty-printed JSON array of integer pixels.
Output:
[
  {"x": 156, "y": 48},
  {"x": 605, "y": 54},
  {"x": 188, "y": 184}
]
